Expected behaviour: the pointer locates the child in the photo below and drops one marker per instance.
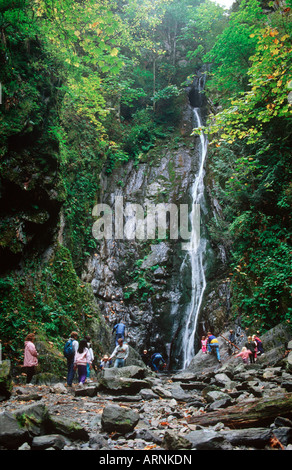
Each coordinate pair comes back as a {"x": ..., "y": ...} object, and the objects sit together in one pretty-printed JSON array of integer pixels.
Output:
[
  {"x": 81, "y": 359},
  {"x": 204, "y": 344},
  {"x": 105, "y": 363},
  {"x": 244, "y": 354}
]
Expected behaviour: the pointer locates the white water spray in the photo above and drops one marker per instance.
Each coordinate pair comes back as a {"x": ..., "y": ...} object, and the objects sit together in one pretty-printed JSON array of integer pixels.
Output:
[{"x": 196, "y": 252}]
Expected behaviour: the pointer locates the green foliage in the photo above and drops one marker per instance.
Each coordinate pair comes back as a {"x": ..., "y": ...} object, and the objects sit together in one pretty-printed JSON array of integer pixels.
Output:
[
  {"x": 142, "y": 277},
  {"x": 252, "y": 168},
  {"x": 49, "y": 300}
]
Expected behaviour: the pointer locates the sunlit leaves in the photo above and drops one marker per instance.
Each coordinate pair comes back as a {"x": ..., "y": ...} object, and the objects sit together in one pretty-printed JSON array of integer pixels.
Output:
[{"x": 269, "y": 75}]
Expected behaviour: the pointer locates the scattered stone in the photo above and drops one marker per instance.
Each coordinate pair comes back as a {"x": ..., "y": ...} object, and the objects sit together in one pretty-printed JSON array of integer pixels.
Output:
[
  {"x": 97, "y": 442},
  {"x": 173, "y": 441},
  {"x": 58, "y": 388},
  {"x": 205, "y": 439},
  {"x": 54, "y": 441},
  {"x": 86, "y": 391}
]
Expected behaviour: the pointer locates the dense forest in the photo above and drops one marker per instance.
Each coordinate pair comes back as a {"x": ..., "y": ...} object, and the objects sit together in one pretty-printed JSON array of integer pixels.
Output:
[{"x": 88, "y": 85}]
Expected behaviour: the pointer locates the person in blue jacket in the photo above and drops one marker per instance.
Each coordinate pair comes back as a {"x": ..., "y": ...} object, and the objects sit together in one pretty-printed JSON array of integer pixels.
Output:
[
  {"x": 157, "y": 362},
  {"x": 119, "y": 328}
]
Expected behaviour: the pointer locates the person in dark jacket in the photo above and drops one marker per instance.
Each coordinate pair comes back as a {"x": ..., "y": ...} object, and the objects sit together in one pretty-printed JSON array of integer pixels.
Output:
[
  {"x": 145, "y": 356},
  {"x": 119, "y": 328},
  {"x": 157, "y": 362},
  {"x": 251, "y": 345}
]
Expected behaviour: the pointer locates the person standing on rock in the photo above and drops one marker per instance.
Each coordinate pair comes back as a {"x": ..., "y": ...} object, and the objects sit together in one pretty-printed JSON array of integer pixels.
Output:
[
  {"x": 145, "y": 356},
  {"x": 119, "y": 328},
  {"x": 231, "y": 343},
  {"x": 213, "y": 345},
  {"x": 91, "y": 358},
  {"x": 69, "y": 352},
  {"x": 120, "y": 353},
  {"x": 30, "y": 357},
  {"x": 81, "y": 359},
  {"x": 204, "y": 341},
  {"x": 244, "y": 354},
  {"x": 252, "y": 346},
  {"x": 260, "y": 349}
]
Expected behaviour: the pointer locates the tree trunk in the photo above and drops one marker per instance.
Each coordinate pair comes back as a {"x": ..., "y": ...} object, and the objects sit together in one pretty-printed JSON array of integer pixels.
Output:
[{"x": 261, "y": 412}]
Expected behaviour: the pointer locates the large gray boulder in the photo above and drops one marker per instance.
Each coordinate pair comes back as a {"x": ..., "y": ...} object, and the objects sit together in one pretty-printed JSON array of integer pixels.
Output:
[
  {"x": 119, "y": 419},
  {"x": 12, "y": 434},
  {"x": 5, "y": 380},
  {"x": 122, "y": 385}
]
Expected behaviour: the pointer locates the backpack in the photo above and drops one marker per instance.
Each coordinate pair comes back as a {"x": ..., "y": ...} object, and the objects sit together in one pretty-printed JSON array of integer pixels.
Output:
[{"x": 68, "y": 349}]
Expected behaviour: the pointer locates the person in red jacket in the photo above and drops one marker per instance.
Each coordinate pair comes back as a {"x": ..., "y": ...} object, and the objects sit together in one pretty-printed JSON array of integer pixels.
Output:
[{"x": 30, "y": 357}]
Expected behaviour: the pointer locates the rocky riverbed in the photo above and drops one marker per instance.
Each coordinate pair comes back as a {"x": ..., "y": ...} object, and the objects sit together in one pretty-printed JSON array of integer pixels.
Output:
[{"x": 224, "y": 406}]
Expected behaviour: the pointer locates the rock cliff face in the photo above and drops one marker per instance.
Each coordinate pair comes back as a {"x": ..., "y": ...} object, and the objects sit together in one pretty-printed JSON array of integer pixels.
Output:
[{"x": 140, "y": 281}]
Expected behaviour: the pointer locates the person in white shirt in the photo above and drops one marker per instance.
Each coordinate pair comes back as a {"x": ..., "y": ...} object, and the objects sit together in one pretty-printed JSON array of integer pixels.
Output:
[{"x": 121, "y": 353}]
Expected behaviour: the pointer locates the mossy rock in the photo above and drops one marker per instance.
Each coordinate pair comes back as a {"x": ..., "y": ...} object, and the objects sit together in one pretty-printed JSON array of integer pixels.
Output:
[
  {"x": 67, "y": 427},
  {"x": 5, "y": 380}
]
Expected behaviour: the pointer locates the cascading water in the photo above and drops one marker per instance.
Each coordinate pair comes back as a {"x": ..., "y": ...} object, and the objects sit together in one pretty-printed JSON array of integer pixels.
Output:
[
  {"x": 190, "y": 284},
  {"x": 195, "y": 252}
]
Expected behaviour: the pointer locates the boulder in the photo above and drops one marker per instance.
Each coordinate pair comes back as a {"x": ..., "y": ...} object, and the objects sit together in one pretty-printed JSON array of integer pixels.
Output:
[
  {"x": 5, "y": 380},
  {"x": 12, "y": 434},
  {"x": 33, "y": 417},
  {"x": 67, "y": 427},
  {"x": 255, "y": 437},
  {"x": 86, "y": 391},
  {"x": 205, "y": 439},
  {"x": 52, "y": 441},
  {"x": 122, "y": 385},
  {"x": 97, "y": 442},
  {"x": 222, "y": 379},
  {"x": 148, "y": 394},
  {"x": 213, "y": 395},
  {"x": 131, "y": 372},
  {"x": 173, "y": 441},
  {"x": 119, "y": 419},
  {"x": 221, "y": 403}
]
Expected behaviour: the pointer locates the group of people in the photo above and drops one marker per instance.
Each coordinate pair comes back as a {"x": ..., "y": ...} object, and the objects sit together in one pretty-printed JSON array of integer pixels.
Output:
[
  {"x": 250, "y": 351},
  {"x": 82, "y": 359},
  {"x": 79, "y": 357}
]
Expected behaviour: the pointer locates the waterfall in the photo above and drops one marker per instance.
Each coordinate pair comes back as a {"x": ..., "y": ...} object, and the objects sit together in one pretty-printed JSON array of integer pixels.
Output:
[{"x": 196, "y": 251}]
